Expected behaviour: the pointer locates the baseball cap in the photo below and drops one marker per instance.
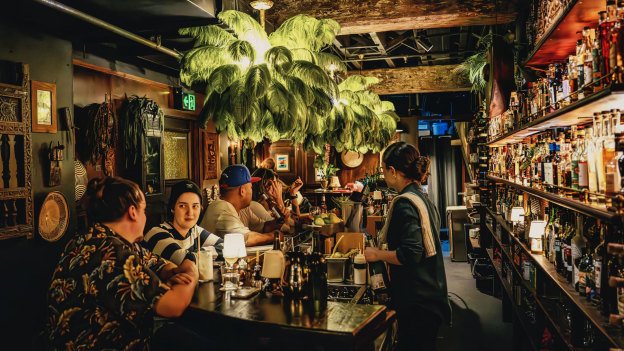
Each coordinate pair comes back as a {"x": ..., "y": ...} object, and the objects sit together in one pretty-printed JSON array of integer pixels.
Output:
[
  {"x": 184, "y": 186},
  {"x": 236, "y": 175}
]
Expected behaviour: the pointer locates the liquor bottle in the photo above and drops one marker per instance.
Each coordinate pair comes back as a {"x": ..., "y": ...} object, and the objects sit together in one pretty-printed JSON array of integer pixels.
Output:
[
  {"x": 577, "y": 246},
  {"x": 590, "y": 151},
  {"x": 549, "y": 175},
  {"x": 612, "y": 174},
  {"x": 277, "y": 244},
  {"x": 617, "y": 43},
  {"x": 597, "y": 263},
  {"x": 583, "y": 171},
  {"x": 588, "y": 61},
  {"x": 572, "y": 78},
  {"x": 574, "y": 160},
  {"x": 580, "y": 69},
  {"x": 317, "y": 276},
  {"x": 586, "y": 274},
  {"x": 600, "y": 153}
]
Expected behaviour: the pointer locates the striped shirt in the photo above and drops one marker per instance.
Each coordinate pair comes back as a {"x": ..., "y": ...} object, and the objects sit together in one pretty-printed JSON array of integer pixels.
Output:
[{"x": 165, "y": 241}]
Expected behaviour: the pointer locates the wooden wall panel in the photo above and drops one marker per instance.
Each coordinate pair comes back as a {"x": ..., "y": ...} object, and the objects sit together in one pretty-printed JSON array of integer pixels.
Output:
[{"x": 369, "y": 164}]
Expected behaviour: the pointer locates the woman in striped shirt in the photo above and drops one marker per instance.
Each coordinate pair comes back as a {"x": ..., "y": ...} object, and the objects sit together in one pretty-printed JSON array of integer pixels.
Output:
[{"x": 177, "y": 239}]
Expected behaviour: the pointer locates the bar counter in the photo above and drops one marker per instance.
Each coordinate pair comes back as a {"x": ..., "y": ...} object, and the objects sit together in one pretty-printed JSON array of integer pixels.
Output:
[{"x": 270, "y": 322}]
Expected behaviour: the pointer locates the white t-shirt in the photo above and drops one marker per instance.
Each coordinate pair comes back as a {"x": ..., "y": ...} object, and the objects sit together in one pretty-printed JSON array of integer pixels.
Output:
[
  {"x": 254, "y": 216},
  {"x": 221, "y": 218}
]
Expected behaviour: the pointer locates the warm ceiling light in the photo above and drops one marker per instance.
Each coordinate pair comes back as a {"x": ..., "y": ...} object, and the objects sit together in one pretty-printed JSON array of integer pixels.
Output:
[{"x": 262, "y": 4}]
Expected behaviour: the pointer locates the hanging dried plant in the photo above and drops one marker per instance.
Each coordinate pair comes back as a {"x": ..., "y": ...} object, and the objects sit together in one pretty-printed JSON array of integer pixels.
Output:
[
  {"x": 135, "y": 115},
  {"x": 96, "y": 132}
]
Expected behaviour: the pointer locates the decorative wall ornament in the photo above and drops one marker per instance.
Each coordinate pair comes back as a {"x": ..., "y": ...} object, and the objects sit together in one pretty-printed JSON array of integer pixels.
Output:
[
  {"x": 43, "y": 107},
  {"x": 54, "y": 216}
]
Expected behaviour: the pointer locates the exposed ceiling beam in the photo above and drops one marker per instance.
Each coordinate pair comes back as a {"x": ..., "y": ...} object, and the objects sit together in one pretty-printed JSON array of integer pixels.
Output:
[
  {"x": 340, "y": 48},
  {"x": 367, "y": 16},
  {"x": 380, "y": 40},
  {"x": 422, "y": 79}
]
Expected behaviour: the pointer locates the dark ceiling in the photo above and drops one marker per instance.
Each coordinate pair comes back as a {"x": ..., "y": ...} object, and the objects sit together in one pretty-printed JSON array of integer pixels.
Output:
[{"x": 159, "y": 21}]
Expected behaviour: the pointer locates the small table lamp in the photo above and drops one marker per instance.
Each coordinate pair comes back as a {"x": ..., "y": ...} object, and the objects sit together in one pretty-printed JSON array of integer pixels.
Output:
[
  {"x": 536, "y": 236},
  {"x": 334, "y": 182},
  {"x": 233, "y": 247}
]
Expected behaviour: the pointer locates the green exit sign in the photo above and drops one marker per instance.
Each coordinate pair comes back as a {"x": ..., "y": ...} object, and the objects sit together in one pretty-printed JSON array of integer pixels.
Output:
[{"x": 188, "y": 102}]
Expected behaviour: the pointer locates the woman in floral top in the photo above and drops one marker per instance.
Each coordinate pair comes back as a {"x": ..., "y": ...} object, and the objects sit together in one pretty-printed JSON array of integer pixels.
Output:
[{"x": 106, "y": 289}]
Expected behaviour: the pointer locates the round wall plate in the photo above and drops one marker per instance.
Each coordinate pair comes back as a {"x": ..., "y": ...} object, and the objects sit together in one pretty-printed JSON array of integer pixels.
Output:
[
  {"x": 351, "y": 159},
  {"x": 54, "y": 216}
]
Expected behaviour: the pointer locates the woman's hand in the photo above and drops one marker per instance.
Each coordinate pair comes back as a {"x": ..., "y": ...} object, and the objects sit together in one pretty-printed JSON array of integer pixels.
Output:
[
  {"x": 296, "y": 186},
  {"x": 371, "y": 254}
]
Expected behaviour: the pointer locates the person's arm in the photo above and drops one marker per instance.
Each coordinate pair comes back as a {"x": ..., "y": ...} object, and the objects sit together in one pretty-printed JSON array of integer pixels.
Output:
[
  {"x": 271, "y": 226},
  {"x": 410, "y": 248},
  {"x": 173, "y": 303},
  {"x": 374, "y": 254},
  {"x": 255, "y": 238},
  {"x": 162, "y": 243}
]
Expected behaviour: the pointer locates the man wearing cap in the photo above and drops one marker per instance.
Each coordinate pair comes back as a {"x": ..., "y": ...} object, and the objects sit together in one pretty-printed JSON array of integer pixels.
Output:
[
  {"x": 177, "y": 239},
  {"x": 222, "y": 216}
]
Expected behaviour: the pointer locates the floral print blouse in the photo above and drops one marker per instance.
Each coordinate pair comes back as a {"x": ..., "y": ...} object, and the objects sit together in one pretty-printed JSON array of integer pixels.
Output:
[{"x": 103, "y": 293}]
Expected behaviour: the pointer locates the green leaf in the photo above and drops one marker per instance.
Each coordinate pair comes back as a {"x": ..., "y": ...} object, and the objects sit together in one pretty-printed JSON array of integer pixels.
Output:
[
  {"x": 208, "y": 35},
  {"x": 310, "y": 74},
  {"x": 211, "y": 106},
  {"x": 222, "y": 77},
  {"x": 280, "y": 59},
  {"x": 330, "y": 61},
  {"x": 246, "y": 28},
  {"x": 257, "y": 80},
  {"x": 357, "y": 82},
  {"x": 277, "y": 98},
  {"x": 240, "y": 51}
]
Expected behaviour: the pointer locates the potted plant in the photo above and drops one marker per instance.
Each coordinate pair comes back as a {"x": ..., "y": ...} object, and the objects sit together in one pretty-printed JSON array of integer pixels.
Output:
[{"x": 326, "y": 171}]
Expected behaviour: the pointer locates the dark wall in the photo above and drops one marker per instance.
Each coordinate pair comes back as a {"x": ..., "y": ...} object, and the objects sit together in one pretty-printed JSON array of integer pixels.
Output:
[{"x": 27, "y": 265}]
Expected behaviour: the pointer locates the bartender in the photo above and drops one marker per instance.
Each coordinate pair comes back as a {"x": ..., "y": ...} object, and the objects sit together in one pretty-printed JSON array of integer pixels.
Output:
[{"x": 222, "y": 216}]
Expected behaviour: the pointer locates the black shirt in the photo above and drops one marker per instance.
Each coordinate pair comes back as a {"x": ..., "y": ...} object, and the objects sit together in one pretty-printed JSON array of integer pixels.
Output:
[{"x": 419, "y": 281}]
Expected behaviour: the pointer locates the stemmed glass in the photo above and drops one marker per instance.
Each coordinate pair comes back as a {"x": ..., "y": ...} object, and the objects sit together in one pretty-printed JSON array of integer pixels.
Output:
[{"x": 233, "y": 249}]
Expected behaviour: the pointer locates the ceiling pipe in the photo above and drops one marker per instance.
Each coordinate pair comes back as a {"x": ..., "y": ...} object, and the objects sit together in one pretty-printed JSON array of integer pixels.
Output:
[{"x": 98, "y": 22}]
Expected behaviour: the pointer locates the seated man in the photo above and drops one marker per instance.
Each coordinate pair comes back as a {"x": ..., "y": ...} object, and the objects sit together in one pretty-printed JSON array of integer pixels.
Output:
[
  {"x": 176, "y": 239},
  {"x": 106, "y": 290},
  {"x": 222, "y": 216}
]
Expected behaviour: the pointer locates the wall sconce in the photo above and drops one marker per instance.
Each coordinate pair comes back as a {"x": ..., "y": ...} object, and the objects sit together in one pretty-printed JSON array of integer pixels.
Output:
[{"x": 536, "y": 236}]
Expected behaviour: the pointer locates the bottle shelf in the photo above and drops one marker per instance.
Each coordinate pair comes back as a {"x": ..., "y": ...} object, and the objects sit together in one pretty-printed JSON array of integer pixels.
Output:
[
  {"x": 596, "y": 211},
  {"x": 576, "y": 113},
  {"x": 612, "y": 333},
  {"x": 559, "y": 40},
  {"x": 545, "y": 306},
  {"x": 507, "y": 289}
]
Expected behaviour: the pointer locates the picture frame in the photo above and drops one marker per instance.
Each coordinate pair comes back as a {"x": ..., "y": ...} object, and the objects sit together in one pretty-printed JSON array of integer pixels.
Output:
[
  {"x": 43, "y": 100},
  {"x": 282, "y": 163}
]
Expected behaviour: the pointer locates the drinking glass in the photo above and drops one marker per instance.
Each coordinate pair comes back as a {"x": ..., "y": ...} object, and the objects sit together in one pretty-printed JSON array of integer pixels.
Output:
[
  {"x": 289, "y": 244},
  {"x": 315, "y": 210}
]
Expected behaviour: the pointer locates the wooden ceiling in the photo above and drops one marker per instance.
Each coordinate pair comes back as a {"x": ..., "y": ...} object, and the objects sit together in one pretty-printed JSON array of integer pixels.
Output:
[{"x": 370, "y": 16}]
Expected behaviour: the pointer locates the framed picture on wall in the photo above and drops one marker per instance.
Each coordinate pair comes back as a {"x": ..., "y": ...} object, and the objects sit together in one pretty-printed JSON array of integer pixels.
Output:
[
  {"x": 43, "y": 107},
  {"x": 281, "y": 163}
]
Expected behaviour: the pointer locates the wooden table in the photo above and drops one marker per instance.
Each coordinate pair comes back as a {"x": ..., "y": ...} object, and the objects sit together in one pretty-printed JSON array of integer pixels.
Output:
[{"x": 275, "y": 323}]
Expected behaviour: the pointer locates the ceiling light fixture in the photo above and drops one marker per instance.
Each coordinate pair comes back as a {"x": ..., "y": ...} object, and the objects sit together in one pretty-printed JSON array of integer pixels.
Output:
[{"x": 262, "y": 6}]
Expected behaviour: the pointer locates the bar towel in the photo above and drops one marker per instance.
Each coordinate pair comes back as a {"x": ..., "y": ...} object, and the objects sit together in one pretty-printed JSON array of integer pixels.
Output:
[{"x": 427, "y": 234}]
